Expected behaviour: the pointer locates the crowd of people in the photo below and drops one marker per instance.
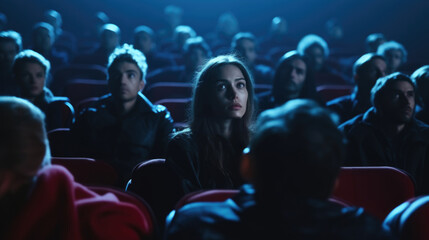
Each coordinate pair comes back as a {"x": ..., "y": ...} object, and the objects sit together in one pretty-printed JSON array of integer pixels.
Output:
[{"x": 235, "y": 138}]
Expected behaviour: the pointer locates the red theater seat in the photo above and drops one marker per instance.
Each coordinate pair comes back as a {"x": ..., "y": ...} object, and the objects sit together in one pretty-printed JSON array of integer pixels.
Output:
[
  {"x": 149, "y": 223},
  {"x": 409, "y": 220},
  {"x": 178, "y": 108},
  {"x": 88, "y": 171},
  {"x": 79, "y": 89},
  {"x": 163, "y": 90},
  {"x": 377, "y": 189},
  {"x": 329, "y": 92}
]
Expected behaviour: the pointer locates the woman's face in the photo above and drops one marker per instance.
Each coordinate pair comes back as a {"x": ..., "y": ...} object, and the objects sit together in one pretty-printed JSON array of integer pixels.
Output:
[
  {"x": 32, "y": 79},
  {"x": 229, "y": 92}
]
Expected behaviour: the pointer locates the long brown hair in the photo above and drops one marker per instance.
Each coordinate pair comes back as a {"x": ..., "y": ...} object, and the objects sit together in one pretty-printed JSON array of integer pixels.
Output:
[{"x": 213, "y": 147}]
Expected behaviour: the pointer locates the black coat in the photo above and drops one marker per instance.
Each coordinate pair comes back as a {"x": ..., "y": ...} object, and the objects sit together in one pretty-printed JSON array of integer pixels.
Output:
[
  {"x": 242, "y": 217},
  {"x": 369, "y": 146},
  {"x": 123, "y": 140}
]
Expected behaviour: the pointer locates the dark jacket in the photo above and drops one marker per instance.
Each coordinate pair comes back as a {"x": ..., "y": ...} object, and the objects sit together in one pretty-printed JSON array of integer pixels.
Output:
[
  {"x": 347, "y": 107},
  {"x": 123, "y": 140},
  {"x": 183, "y": 158},
  {"x": 59, "y": 112},
  {"x": 242, "y": 217},
  {"x": 369, "y": 146}
]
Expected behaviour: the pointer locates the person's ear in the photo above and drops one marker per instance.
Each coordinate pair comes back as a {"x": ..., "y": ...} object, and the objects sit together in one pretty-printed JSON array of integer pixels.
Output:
[
  {"x": 247, "y": 167},
  {"x": 142, "y": 85}
]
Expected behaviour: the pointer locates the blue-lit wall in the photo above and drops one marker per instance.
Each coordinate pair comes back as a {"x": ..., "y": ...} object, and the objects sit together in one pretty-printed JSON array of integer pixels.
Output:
[{"x": 401, "y": 20}]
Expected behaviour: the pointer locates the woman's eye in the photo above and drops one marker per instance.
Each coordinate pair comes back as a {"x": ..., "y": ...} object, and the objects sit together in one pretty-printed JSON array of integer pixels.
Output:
[
  {"x": 220, "y": 86},
  {"x": 241, "y": 85},
  {"x": 131, "y": 75}
]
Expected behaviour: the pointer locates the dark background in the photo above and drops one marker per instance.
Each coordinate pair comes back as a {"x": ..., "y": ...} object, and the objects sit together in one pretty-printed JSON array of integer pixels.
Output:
[{"x": 406, "y": 21}]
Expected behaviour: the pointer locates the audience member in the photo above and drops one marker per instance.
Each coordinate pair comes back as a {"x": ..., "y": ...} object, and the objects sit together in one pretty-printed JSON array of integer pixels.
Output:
[
  {"x": 10, "y": 45},
  {"x": 421, "y": 79},
  {"x": 144, "y": 40},
  {"x": 292, "y": 166},
  {"x": 220, "y": 40},
  {"x": 195, "y": 53},
  {"x": 43, "y": 43},
  {"x": 290, "y": 82},
  {"x": 30, "y": 71},
  {"x": 395, "y": 55},
  {"x": 180, "y": 35},
  {"x": 278, "y": 40},
  {"x": 388, "y": 133},
  {"x": 91, "y": 35},
  {"x": 64, "y": 41},
  {"x": 373, "y": 41},
  {"x": 316, "y": 50},
  {"x": 207, "y": 155},
  {"x": 366, "y": 70},
  {"x": 110, "y": 37},
  {"x": 172, "y": 18},
  {"x": 42, "y": 201},
  {"x": 244, "y": 45},
  {"x": 124, "y": 127}
]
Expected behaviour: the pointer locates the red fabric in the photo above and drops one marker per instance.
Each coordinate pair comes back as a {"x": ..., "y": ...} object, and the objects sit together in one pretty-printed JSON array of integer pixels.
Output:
[{"x": 59, "y": 208}]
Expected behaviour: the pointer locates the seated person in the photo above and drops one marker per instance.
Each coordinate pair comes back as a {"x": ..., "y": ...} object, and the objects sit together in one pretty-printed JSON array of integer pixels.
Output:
[
  {"x": 395, "y": 55},
  {"x": 144, "y": 40},
  {"x": 43, "y": 42},
  {"x": 10, "y": 45},
  {"x": 40, "y": 201},
  {"x": 195, "y": 53},
  {"x": 421, "y": 78},
  {"x": 388, "y": 133},
  {"x": 374, "y": 40},
  {"x": 316, "y": 50},
  {"x": 123, "y": 127},
  {"x": 109, "y": 39},
  {"x": 292, "y": 166},
  {"x": 30, "y": 71},
  {"x": 244, "y": 45},
  {"x": 290, "y": 82},
  {"x": 207, "y": 154},
  {"x": 366, "y": 70}
]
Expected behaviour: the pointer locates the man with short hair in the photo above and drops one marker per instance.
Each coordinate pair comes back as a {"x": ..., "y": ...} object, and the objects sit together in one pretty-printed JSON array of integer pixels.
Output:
[
  {"x": 144, "y": 40},
  {"x": 395, "y": 55},
  {"x": 42, "y": 201},
  {"x": 292, "y": 165},
  {"x": 244, "y": 45},
  {"x": 124, "y": 127},
  {"x": 388, "y": 133},
  {"x": 366, "y": 70}
]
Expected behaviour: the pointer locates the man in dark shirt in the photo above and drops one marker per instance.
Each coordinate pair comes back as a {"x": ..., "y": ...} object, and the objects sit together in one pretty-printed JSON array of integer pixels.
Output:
[
  {"x": 388, "y": 133},
  {"x": 366, "y": 70},
  {"x": 292, "y": 164},
  {"x": 123, "y": 127}
]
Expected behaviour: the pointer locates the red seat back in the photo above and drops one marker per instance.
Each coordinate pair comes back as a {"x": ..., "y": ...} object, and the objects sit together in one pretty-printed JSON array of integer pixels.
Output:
[
  {"x": 150, "y": 228},
  {"x": 329, "y": 92},
  {"x": 88, "y": 171},
  {"x": 377, "y": 189},
  {"x": 178, "y": 108},
  {"x": 163, "y": 90},
  {"x": 410, "y": 219},
  {"x": 156, "y": 184},
  {"x": 79, "y": 89},
  {"x": 60, "y": 142}
]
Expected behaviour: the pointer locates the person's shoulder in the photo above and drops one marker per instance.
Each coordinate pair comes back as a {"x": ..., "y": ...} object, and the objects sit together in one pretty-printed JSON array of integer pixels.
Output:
[
  {"x": 351, "y": 124},
  {"x": 340, "y": 101}
]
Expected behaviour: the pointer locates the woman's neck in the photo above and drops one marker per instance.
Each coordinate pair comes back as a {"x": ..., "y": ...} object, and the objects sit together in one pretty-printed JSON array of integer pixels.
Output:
[{"x": 224, "y": 127}]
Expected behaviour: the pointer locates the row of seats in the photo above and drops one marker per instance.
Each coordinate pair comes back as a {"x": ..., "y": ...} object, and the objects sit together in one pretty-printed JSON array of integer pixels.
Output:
[
  {"x": 175, "y": 96},
  {"x": 380, "y": 190}
]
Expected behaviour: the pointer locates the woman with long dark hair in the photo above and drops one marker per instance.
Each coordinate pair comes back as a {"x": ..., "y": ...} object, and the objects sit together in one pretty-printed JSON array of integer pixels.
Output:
[{"x": 207, "y": 154}]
